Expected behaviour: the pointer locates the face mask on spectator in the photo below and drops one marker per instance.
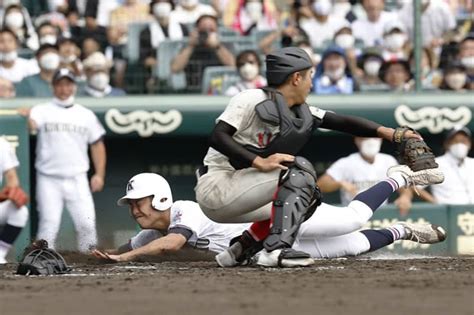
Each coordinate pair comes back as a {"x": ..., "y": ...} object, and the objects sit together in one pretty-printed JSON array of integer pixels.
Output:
[
  {"x": 322, "y": 7},
  {"x": 468, "y": 62},
  {"x": 162, "y": 9},
  {"x": 189, "y": 3},
  {"x": 14, "y": 20},
  {"x": 99, "y": 81},
  {"x": 335, "y": 75},
  {"x": 395, "y": 41},
  {"x": 68, "y": 59},
  {"x": 459, "y": 150},
  {"x": 49, "y": 61},
  {"x": 254, "y": 9},
  {"x": 370, "y": 147},
  {"x": 48, "y": 39},
  {"x": 372, "y": 67},
  {"x": 64, "y": 103},
  {"x": 8, "y": 57},
  {"x": 345, "y": 41},
  {"x": 248, "y": 71},
  {"x": 456, "y": 80}
]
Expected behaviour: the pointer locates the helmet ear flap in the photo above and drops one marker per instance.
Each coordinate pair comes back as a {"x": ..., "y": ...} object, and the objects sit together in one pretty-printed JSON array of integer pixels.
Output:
[{"x": 157, "y": 203}]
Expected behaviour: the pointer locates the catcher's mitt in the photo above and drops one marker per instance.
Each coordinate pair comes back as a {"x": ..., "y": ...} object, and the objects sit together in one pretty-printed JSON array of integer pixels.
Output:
[
  {"x": 15, "y": 194},
  {"x": 413, "y": 152}
]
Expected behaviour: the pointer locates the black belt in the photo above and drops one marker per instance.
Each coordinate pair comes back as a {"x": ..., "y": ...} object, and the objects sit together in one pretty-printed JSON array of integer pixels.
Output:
[{"x": 202, "y": 170}]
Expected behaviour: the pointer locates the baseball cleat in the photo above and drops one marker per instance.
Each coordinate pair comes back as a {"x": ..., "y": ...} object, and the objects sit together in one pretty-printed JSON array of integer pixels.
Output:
[
  {"x": 425, "y": 177},
  {"x": 228, "y": 258},
  {"x": 424, "y": 233},
  {"x": 286, "y": 258}
]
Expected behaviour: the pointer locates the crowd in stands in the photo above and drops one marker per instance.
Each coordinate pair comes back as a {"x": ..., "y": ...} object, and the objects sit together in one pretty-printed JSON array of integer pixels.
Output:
[{"x": 216, "y": 47}]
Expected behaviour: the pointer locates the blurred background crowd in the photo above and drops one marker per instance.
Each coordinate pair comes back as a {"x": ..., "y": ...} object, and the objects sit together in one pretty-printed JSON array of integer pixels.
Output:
[{"x": 217, "y": 47}]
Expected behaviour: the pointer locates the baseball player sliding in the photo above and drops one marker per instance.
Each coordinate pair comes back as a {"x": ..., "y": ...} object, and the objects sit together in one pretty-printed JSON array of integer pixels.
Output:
[
  {"x": 252, "y": 172},
  {"x": 330, "y": 232}
]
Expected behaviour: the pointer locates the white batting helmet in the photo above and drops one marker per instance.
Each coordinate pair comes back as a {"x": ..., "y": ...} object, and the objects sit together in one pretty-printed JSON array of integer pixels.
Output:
[{"x": 148, "y": 184}]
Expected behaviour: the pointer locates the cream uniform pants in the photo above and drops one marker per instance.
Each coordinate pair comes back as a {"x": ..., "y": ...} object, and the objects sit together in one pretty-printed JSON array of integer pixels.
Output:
[
  {"x": 55, "y": 193},
  {"x": 245, "y": 196}
]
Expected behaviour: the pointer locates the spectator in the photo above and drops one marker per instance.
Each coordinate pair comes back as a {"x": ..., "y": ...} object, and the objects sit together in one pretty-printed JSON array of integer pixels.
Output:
[
  {"x": 457, "y": 167},
  {"x": 466, "y": 57},
  {"x": 333, "y": 75},
  {"x": 69, "y": 53},
  {"x": 204, "y": 49},
  {"x": 455, "y": 78},
  {"x": 288, "y": 36},
  {"x": 342, "y": 9},
  {"x": 7, "y": 89},
  {"x": 396, "y": 74},
  {"x": 13, "y": 216},
  {"x": 369, "y": 65},
  {"x": 39, "y": 85},
  {"x": 189, "y": 11},
  {"x": 430, "y": 76},
  {"x": 394, "y": 41},
  {"x": 370, "y": 28},
  {"x": 246, "y": 16},
  {"x": 437, "y": 22},
  {"x": 66, "y": 130},
  {"x": 120, "y": 18},
  {"x": 97, "y": 70},
  {"x": 345, "y": 175},
  {"x": 249, "y": 66},
  {"x": 322, "y": 25},
  {"x": 48, "y": 34},
  {"x": 343, "y": 38},
  {"x": 89, "y": 46},
  {"x": 12, "y": 67},
  {"x": 17, "y": 18},
  {"x": 163, "y": 27}
]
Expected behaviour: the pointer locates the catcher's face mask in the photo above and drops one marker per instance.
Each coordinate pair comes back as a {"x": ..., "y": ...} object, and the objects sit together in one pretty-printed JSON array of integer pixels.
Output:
[{"x": 43, "y": 262}]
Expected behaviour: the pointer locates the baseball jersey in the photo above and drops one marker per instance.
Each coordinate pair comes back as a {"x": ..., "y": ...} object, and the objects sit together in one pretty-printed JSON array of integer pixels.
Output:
[
  {"x": 250, "y": 129},
  {"x": 8, "y": 159},
  {"x": 458, "y": 185},
  {"x": 206, "y": 234},
  {"x": 355, "y": 170},
  {"x": 64, "y": 135}
]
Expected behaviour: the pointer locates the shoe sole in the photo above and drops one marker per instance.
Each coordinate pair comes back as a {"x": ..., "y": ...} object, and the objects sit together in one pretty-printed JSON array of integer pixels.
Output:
[
  {"x": 442, "y": 235},
  {"x": 223, "y": 260}
]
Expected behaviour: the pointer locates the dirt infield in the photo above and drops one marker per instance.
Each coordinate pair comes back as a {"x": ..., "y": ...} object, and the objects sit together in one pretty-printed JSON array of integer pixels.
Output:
[{"x": 342, "y": 286}]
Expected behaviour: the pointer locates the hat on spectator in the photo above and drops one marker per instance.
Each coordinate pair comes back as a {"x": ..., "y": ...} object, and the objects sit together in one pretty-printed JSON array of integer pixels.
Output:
[
  {"x": 394, "y": 24},
  {"x": 458, "y": 129},
  {"x": 63, "y": 73},
  {"x": 97, "y": 61},
  {"x": 390, "y": 62}
]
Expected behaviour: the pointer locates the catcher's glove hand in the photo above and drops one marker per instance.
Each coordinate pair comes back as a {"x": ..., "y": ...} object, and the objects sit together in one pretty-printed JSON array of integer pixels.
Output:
[
  {"x": 412, "y": 151},
  {"x": 15, "y": 194}
]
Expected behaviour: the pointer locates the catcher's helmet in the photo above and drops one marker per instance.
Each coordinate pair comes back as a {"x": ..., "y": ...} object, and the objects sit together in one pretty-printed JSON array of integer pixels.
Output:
[
  {"x": 45, "y": 261},
  {"x": 283, "y": 62},
  {"x": 149, "y": 184}
]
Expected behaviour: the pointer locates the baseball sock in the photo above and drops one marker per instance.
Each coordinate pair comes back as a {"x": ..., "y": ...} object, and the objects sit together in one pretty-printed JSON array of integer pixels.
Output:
[
  {"x": 377, "y": 194},
  {"x": 384, "y": 237},
  {"x": 260, "y": 230},
  {"x": 7, "y": 237}
]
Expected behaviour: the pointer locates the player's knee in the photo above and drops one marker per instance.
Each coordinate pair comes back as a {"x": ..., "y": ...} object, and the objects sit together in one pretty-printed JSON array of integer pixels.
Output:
[
  {"x": 18, "y": 216},
  {"x": 300, "y": 174}
]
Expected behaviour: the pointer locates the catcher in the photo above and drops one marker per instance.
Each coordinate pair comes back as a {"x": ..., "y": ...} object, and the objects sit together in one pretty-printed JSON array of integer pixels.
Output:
[{"x": 13, "y": 212}]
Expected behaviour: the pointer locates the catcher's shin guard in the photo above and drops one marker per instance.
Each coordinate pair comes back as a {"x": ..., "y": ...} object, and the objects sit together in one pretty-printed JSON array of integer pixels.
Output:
[{"x": 296, "y": 200}]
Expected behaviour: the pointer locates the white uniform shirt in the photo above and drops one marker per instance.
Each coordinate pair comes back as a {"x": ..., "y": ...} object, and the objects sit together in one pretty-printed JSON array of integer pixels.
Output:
[
  {"x": 21, "y": 69},
  {"x": 354, "y": 169},
  {"x": 183, "y": 16},
  {"x": 206, "y": 234},
  {"x": 371, "y": 33},
  {"x": 458, "y": 185},
  {"x": 435, "y": 21},
  {"x": 64, "y": 135},
  {"x": 320, "y": 32},
  {"x": 8, "y": 159},
  {"x": 251, "y": 130}
]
